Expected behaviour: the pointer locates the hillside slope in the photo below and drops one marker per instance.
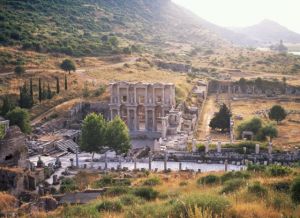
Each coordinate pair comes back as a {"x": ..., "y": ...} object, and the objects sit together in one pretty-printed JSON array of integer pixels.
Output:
[
  {"x": 269, "y": 32},
  {"x": 90, "y": 27}
]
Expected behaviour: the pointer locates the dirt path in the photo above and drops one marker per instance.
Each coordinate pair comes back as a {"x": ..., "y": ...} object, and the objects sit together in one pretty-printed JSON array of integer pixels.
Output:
[
  {"x": 64, "y": 106},
  {"x": 208, "y": 111}
]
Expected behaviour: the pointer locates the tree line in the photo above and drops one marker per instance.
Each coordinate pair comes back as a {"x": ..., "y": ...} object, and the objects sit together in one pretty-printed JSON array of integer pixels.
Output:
[{"x": 98, "y": 135}]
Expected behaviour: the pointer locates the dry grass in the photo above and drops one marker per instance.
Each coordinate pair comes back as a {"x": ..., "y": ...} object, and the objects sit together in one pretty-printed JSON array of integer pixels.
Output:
[
  {"x": 7, "y": 202},
  {"x": 289, "y": 131}
]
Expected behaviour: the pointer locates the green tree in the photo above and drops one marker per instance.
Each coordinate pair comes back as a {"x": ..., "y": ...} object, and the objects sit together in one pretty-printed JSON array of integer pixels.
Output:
[
  {"x": 66, "y": 82},
  {"x": 57, "y": 85},
  {"x": 93, "y": 132},
  {"x": 243, "y": 84},
  {"x": 49, "y": 92},
  {"x": 254, "y": 125},
  {"x": 114, "y": 41},
  {"x": 6, "y": 106},
  {"x": 295, "y": 190},
  {"x": 40, "y": 90},
  {"x": 26, "y": 100},
  {"x": 117, "y": 136},
  {"x": 68, "y": 66},
  {"x": 221, "y": 120},
  {"x": 19, "y": 70},
  {"x": 269, "y": 130},
  {"x": 277, "y": 113},
  {"x": 31, "y": 88},
  {"x": 21, "y": 118}
]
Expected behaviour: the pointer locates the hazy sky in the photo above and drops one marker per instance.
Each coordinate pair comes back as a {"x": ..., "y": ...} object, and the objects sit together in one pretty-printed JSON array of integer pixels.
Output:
[{"x": 239, "y": 13}]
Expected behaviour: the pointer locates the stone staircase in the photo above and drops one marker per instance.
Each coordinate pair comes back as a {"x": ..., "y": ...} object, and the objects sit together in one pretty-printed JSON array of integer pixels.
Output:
[{"x": 66, "y": 145}]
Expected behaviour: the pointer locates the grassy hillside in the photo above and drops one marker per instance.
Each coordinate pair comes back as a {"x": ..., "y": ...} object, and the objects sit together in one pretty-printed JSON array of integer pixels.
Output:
[
  {"x": 98, "y": 27},
  {"x": 246, "y": 194}
]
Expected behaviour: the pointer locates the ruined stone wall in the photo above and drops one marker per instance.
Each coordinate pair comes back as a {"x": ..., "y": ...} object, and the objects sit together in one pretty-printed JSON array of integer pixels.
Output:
[{"x": 13, "y": 149}]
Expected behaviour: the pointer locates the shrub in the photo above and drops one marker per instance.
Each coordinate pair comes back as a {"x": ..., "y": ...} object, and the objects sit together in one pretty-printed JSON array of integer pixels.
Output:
[
  {"x": 68, "y": 185},
  {"x": 19, "y": 70},
  {"x": 79, "y": 211},
  {"x": 295, "y": 190},
  {"x": 276, "y": 170},
  {"x": 257, "y": 189},
  {"x": 209, "y": 180},
  {"x": 117, "y": 190},
  {"x": 152, "y": 181},
  {"x": 183, "y": 183},
  {"x": 215, "y": 204},
  {"x": 130, "y": 199},
  {"x": 234, "y": 175},
  {"x": 112, "y": 206},
  {"x": 108, "y": 180},
  {"x": 256, "y": 167},
  {"x": 281, "y": 186},
  {"x": 232, "y": 185},
  {"x": 147, "y": 193}
]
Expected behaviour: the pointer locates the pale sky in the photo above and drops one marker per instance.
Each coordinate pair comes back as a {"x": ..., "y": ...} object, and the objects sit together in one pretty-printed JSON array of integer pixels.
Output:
[{"x": 240, "y": 13}]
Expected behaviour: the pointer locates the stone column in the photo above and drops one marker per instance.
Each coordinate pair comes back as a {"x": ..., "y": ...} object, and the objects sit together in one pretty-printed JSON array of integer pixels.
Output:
[
  {"x": 150, "y": 160},
  {"x": 118, "y": 93},
  {"x": 207, "y": 146},
  {"x": 154, "y": 120},
  {"x": 226, "y": 165},
  {"x": 163, "y": 95},
  {"x": 77, "y": 160},
  {"x": 165, "y": 161},
  {"x": 194, "y": 149},
  {"x": 257, "y": 149},
  {"x": 135, "y": 120},
  {"x": 135, "y": 100},
  {"x": 127, "y": 100},
  {"x": 219, "y": 147},
  {"x": 134, "y": 165},
  {"x": 146, "y": 118},
  {"x": 105, "y": 161},
  {"x": 270, "y": 148},
  {"x": 55, "y": 181},
  {"x": 180, "y": 166}
]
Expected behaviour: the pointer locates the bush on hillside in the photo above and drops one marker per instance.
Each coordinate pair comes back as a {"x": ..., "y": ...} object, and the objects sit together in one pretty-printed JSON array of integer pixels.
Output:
[
  {"x": 208, "y": 180},
  {"x": 110, "y": 206},
  {"x": 146, "y": 193},
  {"x": 257, "y": 189},
  {"x": 232, "y": 185}
]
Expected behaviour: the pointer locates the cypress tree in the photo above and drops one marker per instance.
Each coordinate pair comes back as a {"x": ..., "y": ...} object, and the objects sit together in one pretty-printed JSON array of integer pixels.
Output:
[
  {"x": 66, "y": 83},
  {"x": 31, "y": 88},
  {"x": 49, "y": 93},
  {"x": 57, "y": 85},
  {"x": 40, "y": 90},
  {"x": 7, "y": 105},
  {"x": 26, "y": 100}
]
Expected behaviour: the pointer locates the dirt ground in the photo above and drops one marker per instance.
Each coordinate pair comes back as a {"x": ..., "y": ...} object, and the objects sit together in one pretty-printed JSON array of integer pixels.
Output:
[{"x": 289, "y": 129}]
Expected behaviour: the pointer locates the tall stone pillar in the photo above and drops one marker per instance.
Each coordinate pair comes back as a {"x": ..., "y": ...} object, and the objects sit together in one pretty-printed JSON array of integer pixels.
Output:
[
  {"x": 206, "y": 146},
  {"x": 111, "y": 114},
  {"x": 219, "y": 147},
  {"x": 257, "y": 149},
  {"x": 134, "y": 163},
  {"x": 270, "y": 148},
  {"x": 105, "y": 161},
  {"x": 118, "y": 93},
  {"x": 154, "y": 120},
  {"x": 146, "y": 118},
  {"x": 226, "y": 165},
  {"x": 165, "y": 161},
  {"x": 150, "y": 161},
  {"x": 163, "y": 95},
  {"x": 135, "y": 120}
]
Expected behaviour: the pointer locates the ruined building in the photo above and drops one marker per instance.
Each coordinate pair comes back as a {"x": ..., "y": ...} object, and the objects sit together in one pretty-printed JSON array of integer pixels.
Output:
[
  {"x": 145, "y": 107},
  {"x": 13, "y": 149}
]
